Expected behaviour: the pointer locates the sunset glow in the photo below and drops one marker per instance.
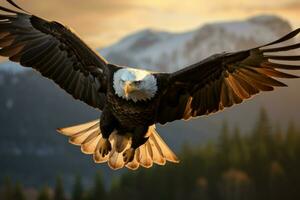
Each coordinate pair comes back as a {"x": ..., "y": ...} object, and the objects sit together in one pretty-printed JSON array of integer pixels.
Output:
[{"x": 102, "y": 23}]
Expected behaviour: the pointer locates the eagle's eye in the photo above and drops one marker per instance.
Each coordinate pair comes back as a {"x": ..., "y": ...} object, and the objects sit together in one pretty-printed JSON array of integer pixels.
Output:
[{"x": 137, "y": 82}]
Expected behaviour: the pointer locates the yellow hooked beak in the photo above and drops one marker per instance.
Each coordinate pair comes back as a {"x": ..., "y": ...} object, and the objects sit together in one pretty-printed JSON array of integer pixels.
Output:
[{"x": 129, "y": 88}]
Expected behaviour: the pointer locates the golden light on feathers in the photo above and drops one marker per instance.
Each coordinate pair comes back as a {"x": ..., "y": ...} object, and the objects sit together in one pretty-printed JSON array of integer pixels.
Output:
[{"x": 88, "y": 136}]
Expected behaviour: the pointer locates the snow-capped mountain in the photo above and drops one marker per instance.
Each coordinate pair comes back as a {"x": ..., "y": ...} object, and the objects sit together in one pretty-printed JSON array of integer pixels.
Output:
[{"x": 164, "y": 51}]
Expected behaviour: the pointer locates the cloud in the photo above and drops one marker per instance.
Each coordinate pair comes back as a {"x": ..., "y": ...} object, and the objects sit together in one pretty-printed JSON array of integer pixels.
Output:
[
  {"x": 260, "y": 5},
  {"x": 102, "y": 22}
]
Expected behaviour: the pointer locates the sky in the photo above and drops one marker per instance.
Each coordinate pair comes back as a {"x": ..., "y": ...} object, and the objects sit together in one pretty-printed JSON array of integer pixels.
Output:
[{"x": 103, "y": 22}]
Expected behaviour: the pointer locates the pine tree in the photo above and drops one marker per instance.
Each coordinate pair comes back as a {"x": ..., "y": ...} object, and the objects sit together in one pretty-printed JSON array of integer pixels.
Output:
[
  {"x": 278, "y": 182},
  {"x": 260, "y": 150},
  {"x": 277, "y": 146},
  {"x": 261, "y": 137},
  {"x": 236, "y": 185},
  {"x": 116, "y": 189},
  {"x": 262, "y": 127},
  {"x": 236, "y": 149},
  {"x": 44, "y": 194},
  {"x": 224, "y": 146},
  {"x": 18, "y": 193},
  {"x": 77, "y": 193},
  {"x": 98, "y": 192},
  {"x": 8, "y": 189},
  {"x": 59, "y": 190}
]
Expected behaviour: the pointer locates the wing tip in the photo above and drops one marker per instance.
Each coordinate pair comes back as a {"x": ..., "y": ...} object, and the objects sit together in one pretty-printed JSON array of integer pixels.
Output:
[
  {"x": 284, "y": 38},
  {"x": 59, "y": 130},
  {"x": 11, "y": 2},
  {"x": 62, "y": 131},
  {"x": 174, "y": 160}
]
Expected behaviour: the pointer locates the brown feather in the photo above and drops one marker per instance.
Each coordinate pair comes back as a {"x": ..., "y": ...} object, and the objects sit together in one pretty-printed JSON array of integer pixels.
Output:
[
  {"x": 281, "y": 66},
  {"x": 253, "y": 74},
  {"x": 291, "y": 58},
  {"x": 284, "y": 48},
  {"x": 237, "y": 88},
  {"x": 275, "y": 73},
  {"x": 54, "y": 50}
]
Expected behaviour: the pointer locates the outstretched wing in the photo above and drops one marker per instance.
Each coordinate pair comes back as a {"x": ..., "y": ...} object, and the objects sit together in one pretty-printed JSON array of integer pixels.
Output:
[
  {"x": 55, "y": 51},
  {"x": 226, "y": 79}
]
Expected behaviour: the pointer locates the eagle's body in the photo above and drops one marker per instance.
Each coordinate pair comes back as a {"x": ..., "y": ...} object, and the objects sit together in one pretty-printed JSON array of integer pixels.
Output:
[
  {"x": 132, "y": 100},
  {"x": 134, "y": 113}
]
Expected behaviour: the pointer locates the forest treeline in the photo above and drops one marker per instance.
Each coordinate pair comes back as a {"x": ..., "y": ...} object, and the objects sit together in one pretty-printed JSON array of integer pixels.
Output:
[{"x": 261, "y": 164}]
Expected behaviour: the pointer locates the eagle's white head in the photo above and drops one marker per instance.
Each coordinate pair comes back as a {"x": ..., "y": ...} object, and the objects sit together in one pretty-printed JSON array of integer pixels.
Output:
[{"x": 134, "y": 84}]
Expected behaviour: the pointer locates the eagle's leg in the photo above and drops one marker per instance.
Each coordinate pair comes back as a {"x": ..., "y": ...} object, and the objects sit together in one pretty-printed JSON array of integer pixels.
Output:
[
  {"x": 107, "y": 126},
  {"x": 139, "y": 138}
]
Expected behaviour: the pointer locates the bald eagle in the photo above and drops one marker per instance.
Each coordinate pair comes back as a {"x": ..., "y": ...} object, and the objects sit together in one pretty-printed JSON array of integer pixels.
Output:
[{"x": 133, "y": 100}]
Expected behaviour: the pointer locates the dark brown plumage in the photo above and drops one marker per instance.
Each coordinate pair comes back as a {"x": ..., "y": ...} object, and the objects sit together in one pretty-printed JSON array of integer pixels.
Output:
[
  {"x": 127, "y": 124},
  {"x": 56, "y": 52},
  {"x": 223, "y": 80}
]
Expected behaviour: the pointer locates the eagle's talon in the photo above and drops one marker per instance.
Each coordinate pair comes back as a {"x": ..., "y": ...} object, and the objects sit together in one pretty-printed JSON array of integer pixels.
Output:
[
  {"x": 105, "y": 147},
  {"x": 128, "y": 155}
]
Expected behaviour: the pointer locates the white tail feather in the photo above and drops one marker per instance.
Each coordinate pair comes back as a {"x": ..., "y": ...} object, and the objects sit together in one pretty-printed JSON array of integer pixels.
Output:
[
  {"x": 134, "y": 165},
  {"x": 120, "y": 142},
  {"x": 81, "y": 138},
  {"x": 115, "y": 160},
  {"x": 144, "y": 158},
  {"x": 166, "y": 151},
  {"x": 98, "y": 158},
  {"x": 158, "y": 156},
  {"x": 69, "y": 131},
  {"x": 90, "y": 147},
  {"x": 88, "y": 136}
]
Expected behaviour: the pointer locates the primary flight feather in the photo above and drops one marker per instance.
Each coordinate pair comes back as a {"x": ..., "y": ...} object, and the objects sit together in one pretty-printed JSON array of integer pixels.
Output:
[{"x": 132, "y": 100}]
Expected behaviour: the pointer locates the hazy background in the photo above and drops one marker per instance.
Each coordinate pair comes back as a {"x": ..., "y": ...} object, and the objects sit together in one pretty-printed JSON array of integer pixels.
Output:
[
  {"x": 102, "y": 22},
  {"x": 165, "y": 36}
]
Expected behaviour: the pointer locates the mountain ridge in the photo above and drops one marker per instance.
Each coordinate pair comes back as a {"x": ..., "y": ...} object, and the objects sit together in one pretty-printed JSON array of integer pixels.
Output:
[{"x": 172, "y": 51}]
